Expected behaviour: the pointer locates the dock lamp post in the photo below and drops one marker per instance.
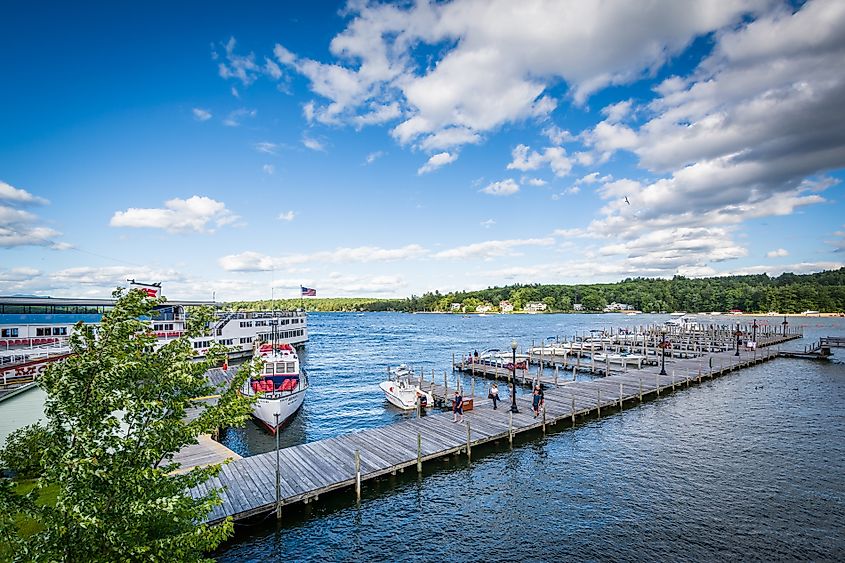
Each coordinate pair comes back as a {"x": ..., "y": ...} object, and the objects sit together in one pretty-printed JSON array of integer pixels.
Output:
[
  {"x": 785, "y": 324},
  {"x": 513, "y": 378},
  {"x": 754, "y": 331},
  {"x": 738, "y": 333},
  {"x": 663, "y": 351}
]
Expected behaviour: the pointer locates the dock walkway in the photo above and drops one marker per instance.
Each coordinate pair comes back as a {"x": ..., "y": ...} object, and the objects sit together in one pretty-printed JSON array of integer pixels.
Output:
[{"x": 316, "y": 468}]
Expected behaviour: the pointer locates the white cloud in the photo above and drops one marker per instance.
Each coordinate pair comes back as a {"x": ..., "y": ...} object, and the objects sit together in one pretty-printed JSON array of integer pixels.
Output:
[
  {"x": 287, "y": 216},
  {"x": 436, "y": 161},
  {"x": 488, "y": 223},
  {"x": 491, "y": 249},
  {"x": 19, "y": 227},
  {"x": 557, "y": 135},
  {"x": 373, "y": 156},
  {"x": 533, "y": 181},
  {"x": 268, "y": 169},
  {"x": 240, "y": 67},
  {"x": 201, "y": 114},
  {"x": 779, "y": 253},
  {"x": 16, "y": 195},
  {"x": 266, "y": 147},
  {"x": 251, "y": 261},
  {"x": 618, "y": 111},
  {"x": 502, "y": 187},
  {"x": 313, "y": 144},
  {"x": 236, "y": 117},
  {"x": 525, "y": 159},
  {"x": 475, "y": 84},
  {"x": 19, "y": 274},
  {"x": 197, "y": 213}
]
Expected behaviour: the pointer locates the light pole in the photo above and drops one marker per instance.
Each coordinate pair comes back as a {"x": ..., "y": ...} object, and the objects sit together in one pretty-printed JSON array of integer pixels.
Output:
[
  {"x": 663, "y": 351},
  {"x": 738, "y": 333},
  {"x": 754, "y": 331},
  {"x": 513, "y": 378}
]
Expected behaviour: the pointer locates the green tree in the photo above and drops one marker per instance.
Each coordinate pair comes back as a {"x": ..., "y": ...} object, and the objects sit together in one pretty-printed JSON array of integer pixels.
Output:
[{"x": 115, "y": 416}]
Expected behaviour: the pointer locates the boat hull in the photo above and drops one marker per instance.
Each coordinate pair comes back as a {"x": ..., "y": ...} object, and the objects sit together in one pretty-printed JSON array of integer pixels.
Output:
[
  {"x": 264, "y": 410},
  {"x": 403, "y": 398}
]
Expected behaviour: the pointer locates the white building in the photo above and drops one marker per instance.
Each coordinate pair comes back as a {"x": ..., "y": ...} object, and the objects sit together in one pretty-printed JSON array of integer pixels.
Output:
[
  {"x": 534, "y": 307},
  {"x": 506, "y": 306},
  {"x": 577, "y": 307},
  {"x": 484, "y": 308},
  {"x": 455, "y": 307},
  {"x": 618, "y": 307}
]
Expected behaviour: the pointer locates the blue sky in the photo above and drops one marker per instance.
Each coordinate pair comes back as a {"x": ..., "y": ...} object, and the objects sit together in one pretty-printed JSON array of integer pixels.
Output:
[{"x": 389, "y": 149}]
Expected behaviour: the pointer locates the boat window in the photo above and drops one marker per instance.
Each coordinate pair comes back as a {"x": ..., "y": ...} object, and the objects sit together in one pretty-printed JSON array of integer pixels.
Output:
[
  {"x": 268, "y": 368},
  {"x": 9, "y": 332},
  {"x": 289, "y": 367}
]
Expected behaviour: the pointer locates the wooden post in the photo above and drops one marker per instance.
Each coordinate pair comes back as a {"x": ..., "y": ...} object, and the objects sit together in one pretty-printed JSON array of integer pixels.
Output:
[
  {"x": 445, "y": 386},
  {"x": 641, "y": 389},
  {"x": 620, "y": 395},
  {"x": 606, "y": 364},
  {"x": 657, "y": 381},
  {"x": 556, "y": 370},
  {"x": 573, "y": 373},
  {"x": 598, "y": 403},
  {"x": 472, "y": 388},
  {"x": 453, "y": 361},
  {"x": 278, "y": 475},
  {"x": 419, "y": 452},
  {"x": 544, "y": 417},
  {"x": 673, "y": 378},
  {"x": 357, "y": 475},
  {"x": 469, "y": 439},
  {"x": 510, "y": 428},
  {"x": 573, "y": 411}
]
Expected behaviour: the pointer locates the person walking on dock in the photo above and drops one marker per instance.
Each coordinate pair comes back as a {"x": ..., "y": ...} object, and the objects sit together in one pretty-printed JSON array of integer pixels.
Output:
[
  {"x": 458, "y": 407},
  {"x": 494, "y": 394},
  {"x": 537, "y": 400}
]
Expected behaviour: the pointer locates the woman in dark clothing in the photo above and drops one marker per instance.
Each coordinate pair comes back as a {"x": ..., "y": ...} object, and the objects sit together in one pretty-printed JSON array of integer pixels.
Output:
[{"x": 458, "y": 408}]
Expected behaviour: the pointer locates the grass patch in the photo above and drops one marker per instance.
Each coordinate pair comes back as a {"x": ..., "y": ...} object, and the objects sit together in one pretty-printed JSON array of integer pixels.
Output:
[{"x": 26, "y": 525}]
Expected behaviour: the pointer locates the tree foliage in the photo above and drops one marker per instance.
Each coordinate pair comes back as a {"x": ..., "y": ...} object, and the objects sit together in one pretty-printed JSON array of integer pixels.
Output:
[
  {"x": 115, "y": 416},
  {"x": 787, "y": 293}
]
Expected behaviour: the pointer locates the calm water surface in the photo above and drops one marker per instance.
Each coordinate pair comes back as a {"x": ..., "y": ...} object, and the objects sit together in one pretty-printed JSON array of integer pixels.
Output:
[{"x": 750, "y": 466}]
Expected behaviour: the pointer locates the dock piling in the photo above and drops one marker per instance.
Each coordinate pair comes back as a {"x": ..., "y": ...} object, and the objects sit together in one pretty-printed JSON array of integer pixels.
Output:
[
  {"x": 419, "y": 452},
  {"x": 598, "y": 403},
  {"x": 357, "y": 475},
  {"x": 469, "y": 440},
  {"x": 510, "y": 428}
]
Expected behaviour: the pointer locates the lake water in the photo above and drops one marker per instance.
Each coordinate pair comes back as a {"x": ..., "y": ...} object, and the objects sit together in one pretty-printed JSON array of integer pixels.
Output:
[{"x": 750, "y": 466}]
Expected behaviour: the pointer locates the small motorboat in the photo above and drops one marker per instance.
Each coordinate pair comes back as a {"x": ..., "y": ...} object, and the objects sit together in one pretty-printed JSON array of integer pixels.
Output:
[{"x": 402, "y": 393}]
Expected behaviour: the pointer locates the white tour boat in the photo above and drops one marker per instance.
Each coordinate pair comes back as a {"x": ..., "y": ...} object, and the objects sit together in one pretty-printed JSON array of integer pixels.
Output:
[
  {"x": 280, "y": 387},
  {"x": 402, "y": 393},
  {"x": 33, "y": 328}
]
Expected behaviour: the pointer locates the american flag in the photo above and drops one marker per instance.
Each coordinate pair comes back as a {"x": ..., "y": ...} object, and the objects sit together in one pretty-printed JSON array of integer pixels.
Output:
[{"x": 308, "y": 291}]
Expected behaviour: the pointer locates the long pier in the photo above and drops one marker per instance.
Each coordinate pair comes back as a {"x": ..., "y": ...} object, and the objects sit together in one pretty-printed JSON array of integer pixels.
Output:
[{"x": 309, "y": 470}]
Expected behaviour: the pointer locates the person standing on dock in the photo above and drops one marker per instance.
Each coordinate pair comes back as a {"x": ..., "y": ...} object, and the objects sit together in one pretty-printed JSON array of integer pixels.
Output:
[
  {"x": 494, "y": 394},
  {"x": 458, "y": 407},
  {"x": 537, "y": 400}
]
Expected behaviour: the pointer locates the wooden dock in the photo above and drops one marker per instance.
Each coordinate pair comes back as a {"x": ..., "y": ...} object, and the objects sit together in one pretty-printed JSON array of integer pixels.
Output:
[{"x": 317, "y": 468}]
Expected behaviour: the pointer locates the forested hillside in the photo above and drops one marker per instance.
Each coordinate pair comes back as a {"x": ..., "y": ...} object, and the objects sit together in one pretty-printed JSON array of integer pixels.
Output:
[{"x": 787, "y": 293}]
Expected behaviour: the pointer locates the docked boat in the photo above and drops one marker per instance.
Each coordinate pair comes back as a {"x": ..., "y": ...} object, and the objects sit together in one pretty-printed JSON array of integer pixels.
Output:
[
  {"x": 623, "y": 359},
  {"x": 280, "y": 387},
  {"x": 38, "y": 327},
  {"x": 401, "y": 392}
]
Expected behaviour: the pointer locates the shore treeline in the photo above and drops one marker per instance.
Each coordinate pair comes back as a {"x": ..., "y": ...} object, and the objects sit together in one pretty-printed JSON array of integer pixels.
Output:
[{"x": 787, "y": 293}]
